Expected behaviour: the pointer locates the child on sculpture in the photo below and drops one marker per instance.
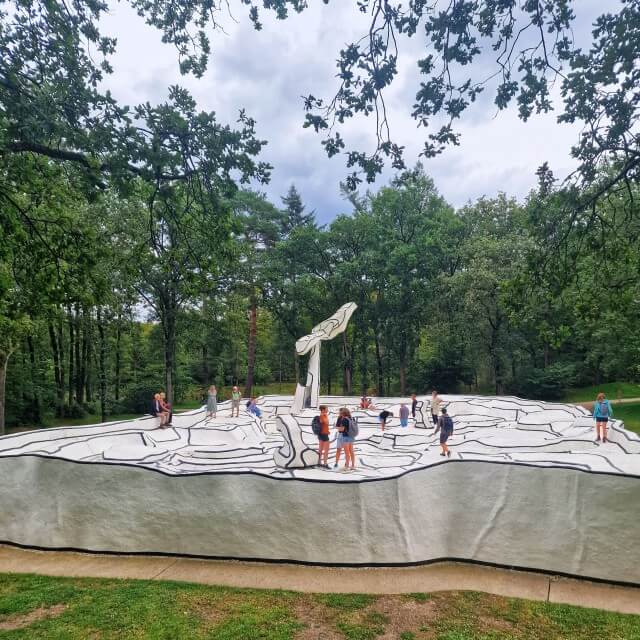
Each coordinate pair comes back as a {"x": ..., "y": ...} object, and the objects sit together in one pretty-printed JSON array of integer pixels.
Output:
[
  {"x": 602, "y": 411},
  {"x": 445, "y": 425},
  {"x": 321, "y": 424},
  {"x": 235, "y": 401}
]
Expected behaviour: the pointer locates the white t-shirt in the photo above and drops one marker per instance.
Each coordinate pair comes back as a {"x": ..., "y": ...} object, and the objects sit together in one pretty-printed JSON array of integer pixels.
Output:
[{"x": 435, "y": 405}]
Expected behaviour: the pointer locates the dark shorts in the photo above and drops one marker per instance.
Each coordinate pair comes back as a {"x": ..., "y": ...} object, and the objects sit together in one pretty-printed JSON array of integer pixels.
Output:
[
  {"x": 323, "y": 437},
  {"x": 602, "y": 419},
  {"x": 444, "y": 436}
]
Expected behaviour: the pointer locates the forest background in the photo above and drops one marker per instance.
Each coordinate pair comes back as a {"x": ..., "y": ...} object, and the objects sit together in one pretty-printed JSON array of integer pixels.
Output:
[{"x": 138, "y": 252}]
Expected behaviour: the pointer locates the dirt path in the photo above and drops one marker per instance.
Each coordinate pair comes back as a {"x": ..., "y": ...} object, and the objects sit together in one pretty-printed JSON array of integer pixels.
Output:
[{"x": 437, "y": 577}]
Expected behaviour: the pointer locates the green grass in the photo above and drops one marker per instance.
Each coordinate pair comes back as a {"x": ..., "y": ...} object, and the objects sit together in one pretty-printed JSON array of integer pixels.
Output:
[
  {"x": 46, "y": 608},
  {"x": 630, "y": 414},
  {"x": 613, "y": 391}
]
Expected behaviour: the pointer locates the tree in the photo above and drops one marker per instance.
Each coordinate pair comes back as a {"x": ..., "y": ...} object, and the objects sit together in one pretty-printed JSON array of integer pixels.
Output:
[
  {"x": 259, "y": 225},
  {"x": 293, "y": 213}
]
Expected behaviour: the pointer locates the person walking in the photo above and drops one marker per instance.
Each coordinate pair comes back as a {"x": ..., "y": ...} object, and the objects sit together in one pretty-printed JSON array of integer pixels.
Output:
[
  {"x": 346, "y": 429},
  {"x": 212, "y": 401},
  {"x": 414, "y": 405},
  {"x": 436, "y": 403},
  {"x": 235, "y": 401},
  {"x": 445, "y": 425},
  {"x": 602, "y": 411},
  {"x": 322, "y": 427},
  {"x": 404, "y": 415}
]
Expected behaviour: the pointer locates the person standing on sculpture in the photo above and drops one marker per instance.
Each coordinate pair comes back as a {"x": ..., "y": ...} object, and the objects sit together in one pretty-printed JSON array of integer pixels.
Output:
[
  {"x": 339, "y": 443},
  {"x": 436, "y": 403},
  {"x": 602, "y": 411},
  {"x": 323, "y": 437},
  {"x": 404, "y": 415},
  {"x": 235, "y": 401},
  {"x": 212, "y": 401},
  {"x": 414, "y": 405},
  {"x": 384, "y": 416},
  {"x": 348, "y": 439},
  {"x": 445, "y": 426}
]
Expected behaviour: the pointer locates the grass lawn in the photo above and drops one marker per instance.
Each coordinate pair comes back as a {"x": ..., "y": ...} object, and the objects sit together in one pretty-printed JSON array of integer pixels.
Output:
[
  {"x": 613, "y": 390},
  {"x": 80, "y": 609},
  {"x": 630, "y": 414}
]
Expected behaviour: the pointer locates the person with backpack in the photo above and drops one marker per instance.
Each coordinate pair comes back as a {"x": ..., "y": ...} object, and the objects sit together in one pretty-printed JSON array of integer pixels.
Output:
[
  {"x": 320, "y": 427},
  {"x": 445, "y": 425},
  {"x": 348, "y": 429},
  {"x": 602, "y": 411}
]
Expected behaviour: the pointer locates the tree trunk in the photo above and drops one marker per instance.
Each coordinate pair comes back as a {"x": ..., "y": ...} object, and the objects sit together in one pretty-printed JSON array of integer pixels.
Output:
[
  {"x": 84, "y": 371},
  {"x": 4, "y": 361},
  {"x": 329, "y": 352},
  {"x": 58, "y": 371},
  {"x": 71, "y": 384},
  {"x": 347, "y": 380},
  {"x": 35, "y": 396},
  {"x": 116, "y": 382},
  {"x": 403, "y": 367},
  {"x": 76, "y": 350},
  {"x": 380, "y": 367},
  {"x": 88, "y": 365},
  {"x": 169, "y": 328},
  {"x": 546, "y": 355},
  {"x": 251, "y": 347},
  {"x": 103, "y": 373},
  {"x": 364, "y": 368}
]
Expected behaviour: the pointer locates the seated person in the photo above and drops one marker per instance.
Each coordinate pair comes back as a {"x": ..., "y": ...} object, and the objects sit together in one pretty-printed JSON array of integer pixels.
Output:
[{"x": 253, "y": 408}]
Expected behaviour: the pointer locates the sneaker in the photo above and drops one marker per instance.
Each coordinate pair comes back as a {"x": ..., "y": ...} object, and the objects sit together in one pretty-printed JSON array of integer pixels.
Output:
[
  {"x": 344, "y": 470},
  {"x": 442, "y": 454},
  {"x": 605, "y": 440},
  {"x": 597, "y": 440},
  {"x": 335, "y": 466},
  {"x": 448, "y": 454}
]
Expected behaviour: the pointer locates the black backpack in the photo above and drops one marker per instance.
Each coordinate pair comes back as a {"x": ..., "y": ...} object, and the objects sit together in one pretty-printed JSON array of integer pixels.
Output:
[{"x": 316, "y": 425}]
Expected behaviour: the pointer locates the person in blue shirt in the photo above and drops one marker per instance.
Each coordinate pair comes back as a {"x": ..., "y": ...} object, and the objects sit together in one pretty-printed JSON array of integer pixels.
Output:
[{"x": 602, "y": 411}]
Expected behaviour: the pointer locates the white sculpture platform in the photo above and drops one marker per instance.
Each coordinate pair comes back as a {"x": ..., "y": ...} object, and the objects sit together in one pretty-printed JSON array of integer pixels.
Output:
[{"x": 526, "y": 487}]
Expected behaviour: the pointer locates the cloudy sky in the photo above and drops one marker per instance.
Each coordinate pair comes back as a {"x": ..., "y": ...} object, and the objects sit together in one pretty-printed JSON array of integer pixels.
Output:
[{"x": 267, "y": 71}]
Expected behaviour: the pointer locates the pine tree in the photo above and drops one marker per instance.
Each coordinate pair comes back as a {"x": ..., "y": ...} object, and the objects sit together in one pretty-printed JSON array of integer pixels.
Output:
[{"x": 293, "y": 212}]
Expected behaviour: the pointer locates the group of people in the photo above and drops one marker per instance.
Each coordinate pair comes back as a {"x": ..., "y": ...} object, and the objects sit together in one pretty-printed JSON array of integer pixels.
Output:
[
  {"x": 236, "y": 397},
  {"x": 161, "y": 409},
  {"x": 347, "y": 429}
]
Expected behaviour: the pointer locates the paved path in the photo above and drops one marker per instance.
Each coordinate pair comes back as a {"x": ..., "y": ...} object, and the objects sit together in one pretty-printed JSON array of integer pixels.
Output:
[{"x": 438, "y": 577}]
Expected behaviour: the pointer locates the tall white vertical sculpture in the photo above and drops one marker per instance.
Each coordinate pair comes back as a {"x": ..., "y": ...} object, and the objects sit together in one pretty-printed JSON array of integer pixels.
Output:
[{"x": 307, "y": 395}]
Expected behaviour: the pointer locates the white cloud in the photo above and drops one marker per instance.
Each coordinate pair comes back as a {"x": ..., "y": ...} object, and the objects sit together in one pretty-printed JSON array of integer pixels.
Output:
[{"x": 266, "y": 72}]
